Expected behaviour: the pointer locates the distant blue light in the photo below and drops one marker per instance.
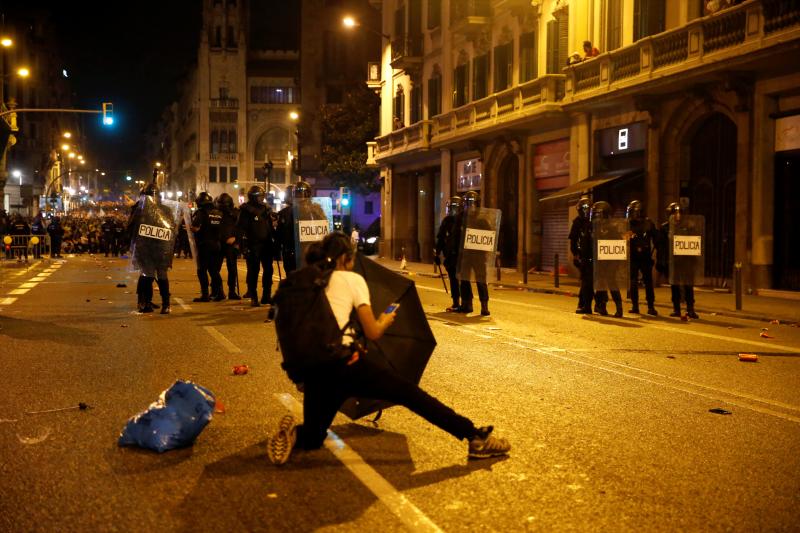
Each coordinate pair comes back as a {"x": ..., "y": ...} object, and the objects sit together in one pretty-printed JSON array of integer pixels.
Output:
[
  {"x": 345, "y": 202},
  {"x": 108, "y": 121}
]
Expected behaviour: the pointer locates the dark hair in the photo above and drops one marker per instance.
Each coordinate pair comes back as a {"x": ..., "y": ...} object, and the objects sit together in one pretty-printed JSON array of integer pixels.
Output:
[
  {"x": 587, "y": 44},
  {"x": 325, "y": 254}
]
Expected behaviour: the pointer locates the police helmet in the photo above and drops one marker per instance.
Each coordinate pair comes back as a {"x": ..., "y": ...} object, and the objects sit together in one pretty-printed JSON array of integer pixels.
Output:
[
  {"x": 151, "y": 189},
  {"x": 256, "y": 194},
  {"x": 600, "y": 210},
  {"x": 225, "y": 202},
  {"x": 472, "y": 199},
  {"x": 204, "y": 200},
  {"x": 673, "y": 208},
  {"x": 454, "y": 204},
  {"x": 634, "y": 210},
  {"x": 302, "y": 190},
  {"x": 583, "y": 206}
]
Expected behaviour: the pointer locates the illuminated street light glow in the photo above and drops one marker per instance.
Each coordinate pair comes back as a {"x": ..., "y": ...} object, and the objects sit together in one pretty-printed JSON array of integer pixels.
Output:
[
  {"x": 23, "y": 72},
  {"x": 128, "y": 178},
  {"x": 294, "y": 115},
  {"x": 6, "y": 42},
  {"x": 349, "y": 22},
  {"x": 179, "y": 194},
  {"x": 169, "y": 194},
  {"x": 158, "y": 164},
  {"x": 66, "y": 135},
  {"x": 16, "y": 174},
  {"x": 65, "y": 147}
]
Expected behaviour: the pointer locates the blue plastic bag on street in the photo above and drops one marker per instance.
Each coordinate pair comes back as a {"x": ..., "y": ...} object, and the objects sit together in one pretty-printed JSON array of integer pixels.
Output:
[{"x": 174, "y": 421}]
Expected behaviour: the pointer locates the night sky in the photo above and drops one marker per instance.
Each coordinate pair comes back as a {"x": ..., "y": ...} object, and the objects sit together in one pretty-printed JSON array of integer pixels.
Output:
[{"x": 133, "y": 54}]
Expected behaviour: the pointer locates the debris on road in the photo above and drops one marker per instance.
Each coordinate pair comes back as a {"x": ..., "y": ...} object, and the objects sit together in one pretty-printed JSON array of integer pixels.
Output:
[
  {"x": 121, "y": 285},
  {"x": 748, "y": 357},
  {"x": 173, "y": 421},
  {"x": 88, "y": 300},
  {"x": 776, "y": 321},
  {"x": 219, "y": 407},
  {"x": 41, "y": 437},
  {"x": 123, "y": 325},
  {"x": 81, "y": 407},
  {"x": 765, "y": 334},
  {"x": 670, "y": 357},
  {"x": 718, "y": 411},
  {"x": 240, "y": 370}
]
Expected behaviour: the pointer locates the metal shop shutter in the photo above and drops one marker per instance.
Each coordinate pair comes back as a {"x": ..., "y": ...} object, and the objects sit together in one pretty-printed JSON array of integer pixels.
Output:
[{"x": 555, "y": 234}]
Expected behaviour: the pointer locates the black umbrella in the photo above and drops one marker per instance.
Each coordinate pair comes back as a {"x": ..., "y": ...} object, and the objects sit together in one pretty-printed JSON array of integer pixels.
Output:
[{"x": 407, "y": 344}]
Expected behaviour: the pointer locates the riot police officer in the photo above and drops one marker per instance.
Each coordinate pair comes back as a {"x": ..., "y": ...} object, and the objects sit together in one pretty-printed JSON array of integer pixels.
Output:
[
  {"x": 56, "y": 233},
  {"x": 206, "y": 225},
  {"x": 679, "y": 290},
  {"x": 255, "y": 224},
  {"x": 301, "y": 190},
  {"x": 229, "y": 240},
  {"x": 644, "y": 239},
  {"x": 448, "y": 240},
  {"x": 472, "y": 200},
  {"x": 107, "y": 231},
  {"x": 580, "y": 244},
  {"x": 602, "y": 211}
]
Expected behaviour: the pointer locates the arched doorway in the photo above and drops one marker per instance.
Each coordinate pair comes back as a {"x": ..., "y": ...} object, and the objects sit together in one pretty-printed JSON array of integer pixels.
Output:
[
  {"x": 508, "y": 202},
  {"x": 273, "y": 145},
  {"x": 712, "y": 192}
]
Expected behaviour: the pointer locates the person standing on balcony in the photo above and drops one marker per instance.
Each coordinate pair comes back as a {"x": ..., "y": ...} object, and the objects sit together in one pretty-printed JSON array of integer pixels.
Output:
[{"x": 589, "y": 51}]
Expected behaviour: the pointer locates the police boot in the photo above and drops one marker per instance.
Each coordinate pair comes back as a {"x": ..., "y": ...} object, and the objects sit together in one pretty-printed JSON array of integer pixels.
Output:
[
  {"x": 220, "y": 295},
  {"x": 601, "y": 308},
  {"x": 204, "y": 297},
  {"x": 466, "y": 307},
  {"x": 253, "y": 297},
  {"x": 232, "y": 294},
  {"x": 690, "y": 312},
  {"x": 163, "y": 288},
  {"x": 651, "y": 310},
  {"x": 266, "y": 299},
  {"x": 484, "y": 308},
  {"x": 676, "y": 310},
  {"x": 634, "y": 308}
]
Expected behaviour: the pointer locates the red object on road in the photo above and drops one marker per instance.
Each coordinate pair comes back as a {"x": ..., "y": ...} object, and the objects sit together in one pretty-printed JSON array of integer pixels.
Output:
[
  {"x": 240, "y": 370},
  {"x": 748, "y": 357}
]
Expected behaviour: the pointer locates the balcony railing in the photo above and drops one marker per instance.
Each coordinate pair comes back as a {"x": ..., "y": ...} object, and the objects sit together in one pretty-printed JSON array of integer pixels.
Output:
[
  {"x": 407, "y": 52},
  {"x": 223, "y": 156},
  {"x": 469, "y": 16},
  {"x": 409, "y": 139},
  {"x": 372, "y": 148},
  {"x": 226, "y": 103},
  {"x": 738, "y": 30}
]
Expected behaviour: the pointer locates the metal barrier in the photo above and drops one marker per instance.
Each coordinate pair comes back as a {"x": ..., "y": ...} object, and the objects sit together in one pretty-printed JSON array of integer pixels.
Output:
[{"x": 22, "y": 247}]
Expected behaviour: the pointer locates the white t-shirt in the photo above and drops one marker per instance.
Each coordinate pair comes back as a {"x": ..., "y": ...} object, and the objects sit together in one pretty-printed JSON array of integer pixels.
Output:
[{"x": 346, "y": 291}]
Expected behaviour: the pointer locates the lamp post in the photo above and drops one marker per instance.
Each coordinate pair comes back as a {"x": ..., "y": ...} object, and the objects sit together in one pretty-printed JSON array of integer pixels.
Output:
[
  {"x": 350, "y": 23},
  {"x": 295, "y": 117},
  {"x": 268, "y": 175}
]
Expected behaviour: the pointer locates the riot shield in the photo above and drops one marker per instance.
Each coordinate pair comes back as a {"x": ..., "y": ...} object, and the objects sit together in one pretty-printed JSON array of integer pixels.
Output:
[
  {"x": 154, "y": 229},
  {"x": 185, "y": 214},
  {"x": 313, "y": 220},
  {"x": 611, "y": 254},
  {"x": 479, "y": 234},
  {"x": 687, "y": 250}
]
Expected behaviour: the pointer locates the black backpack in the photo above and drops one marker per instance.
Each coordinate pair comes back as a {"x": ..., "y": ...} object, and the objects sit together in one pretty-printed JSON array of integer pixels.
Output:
[{"x": 308, "y": 333}]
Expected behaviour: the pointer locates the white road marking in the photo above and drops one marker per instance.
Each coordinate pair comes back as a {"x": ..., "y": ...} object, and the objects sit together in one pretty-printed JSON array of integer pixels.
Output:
[
  {"x": 182, "y": 304},
  {"x": 7, "y": 301},
  {"x": 27, "y": 285},
  {"x": 649, "y": 323},
  {"x": 397, "y": 502},
  {"x": 39, "y": 278},
  {"x": 18, "y": 291},
  {"x": 222, "y": 339},
  {"x": 560, "y": 353}
]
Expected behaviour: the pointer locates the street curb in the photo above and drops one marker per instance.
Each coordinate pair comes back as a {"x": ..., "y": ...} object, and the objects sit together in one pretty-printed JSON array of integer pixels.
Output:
[{"x": 563, "y": 292}]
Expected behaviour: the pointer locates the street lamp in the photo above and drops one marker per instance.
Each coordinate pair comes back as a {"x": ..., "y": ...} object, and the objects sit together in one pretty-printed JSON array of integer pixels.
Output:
[
  {"x": 23, "y": 72},
  {"x": 295, "y": 159},
  {"x": 350, "y": 23},
  {"x": 66, "y": 135},
  {"x": 6, "y": 42}
]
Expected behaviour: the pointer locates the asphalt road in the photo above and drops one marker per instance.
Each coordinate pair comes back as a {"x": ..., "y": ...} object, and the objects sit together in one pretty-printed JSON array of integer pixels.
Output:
[{"x": 609, "y": 419}]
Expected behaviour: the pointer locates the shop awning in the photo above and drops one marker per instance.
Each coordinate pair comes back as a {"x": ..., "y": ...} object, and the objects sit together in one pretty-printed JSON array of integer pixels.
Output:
[{"x": 584, "y": 186}]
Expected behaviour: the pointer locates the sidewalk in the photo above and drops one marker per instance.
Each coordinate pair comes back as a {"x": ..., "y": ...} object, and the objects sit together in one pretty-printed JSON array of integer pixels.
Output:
[{"x": 708, "y": 301}]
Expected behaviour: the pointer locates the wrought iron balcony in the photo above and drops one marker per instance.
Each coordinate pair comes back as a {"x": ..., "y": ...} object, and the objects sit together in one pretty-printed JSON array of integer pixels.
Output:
[
  {"x": 714, "y": 39},
  {"x": 407, "y": 52},
  {"x": 413, "y": 138},
  {"x": 226, "y": 103}
]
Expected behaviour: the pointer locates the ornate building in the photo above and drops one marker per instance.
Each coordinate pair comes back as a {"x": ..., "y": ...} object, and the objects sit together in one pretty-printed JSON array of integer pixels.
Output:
[
  {"x": 693, "y": 101},
  {"x": 259, "y": 63}
]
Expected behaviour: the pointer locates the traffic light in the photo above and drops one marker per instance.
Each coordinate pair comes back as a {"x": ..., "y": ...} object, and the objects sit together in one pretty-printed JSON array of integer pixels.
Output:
[
  {"x": 344, "y": 194},
  {"x": 108, "y": 114}
]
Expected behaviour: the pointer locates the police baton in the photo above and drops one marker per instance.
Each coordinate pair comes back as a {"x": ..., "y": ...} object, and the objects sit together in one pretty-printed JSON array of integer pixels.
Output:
[{"x": 441, "y": 274}]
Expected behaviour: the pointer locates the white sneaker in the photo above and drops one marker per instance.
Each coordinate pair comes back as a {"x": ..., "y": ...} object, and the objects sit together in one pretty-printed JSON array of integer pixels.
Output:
[{"x": 280, "y": 445}]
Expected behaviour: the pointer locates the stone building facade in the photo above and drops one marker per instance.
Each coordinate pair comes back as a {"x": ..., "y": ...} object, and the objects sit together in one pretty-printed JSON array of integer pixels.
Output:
[{"x": 694, "y": 102}]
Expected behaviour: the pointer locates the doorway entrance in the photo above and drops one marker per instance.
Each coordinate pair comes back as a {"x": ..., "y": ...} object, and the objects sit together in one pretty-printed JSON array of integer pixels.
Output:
[
  {"x": 786, "y": 262},
  {"x": 508, "y": 202},
  {"x": 712, "y": 193}
]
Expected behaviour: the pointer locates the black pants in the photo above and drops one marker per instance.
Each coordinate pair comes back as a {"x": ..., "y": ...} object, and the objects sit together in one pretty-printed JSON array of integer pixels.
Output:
[
  {"x": 688, "y": 296},
  {"x": 208, "y": 265},
  {"x": 231, "y": 254},
  {"x": 55, "y": 247},
  {"x": 586, "y": 292},
  {"x": 601, "y": 299},
  {"x": 466, "y": 292},
  {"x": 257, "y": 258},
  {"x": 326, "y": 391},
  {"x": 455, "y": 286},
  {"x": 645, "y": 266},
  {"x": 144, "y": 288}
]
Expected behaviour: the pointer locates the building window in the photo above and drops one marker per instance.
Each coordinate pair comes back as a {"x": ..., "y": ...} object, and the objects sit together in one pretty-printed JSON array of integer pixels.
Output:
[
  {"x": 231, "y": 41},
  {"x": 614, "y": 24},
  {"x": 232, "y": 148},
  {"x": 399, "y": 106},
  {"x": 527, "y": 57},
  {"x": 416, "y": 103},
  {"x": 648, "y": 18},
  {"x": 557, "y": 42},
  {"x": 460, "y": 87},
  {"x": 217, "y": 41},
  {"x": 274, "y": 95},
  {"x": 480, "y": 77},
  {"x": 212, "y": 174},
  {"x": 223, "y": 174},
  {"x": 214, "y": 142},
  {"x": 502, "y": 67},
  {"x": 368, "y": 208},
  {"x": 435, "y": 95},
  {"x": 223, "y": 141},
  {"x": 434, "y": 14},
  {"x": 234, "y": 174}
]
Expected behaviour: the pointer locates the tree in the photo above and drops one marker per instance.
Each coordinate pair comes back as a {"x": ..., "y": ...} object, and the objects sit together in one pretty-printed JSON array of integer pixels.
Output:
[{"x": 346, "y": 128}]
